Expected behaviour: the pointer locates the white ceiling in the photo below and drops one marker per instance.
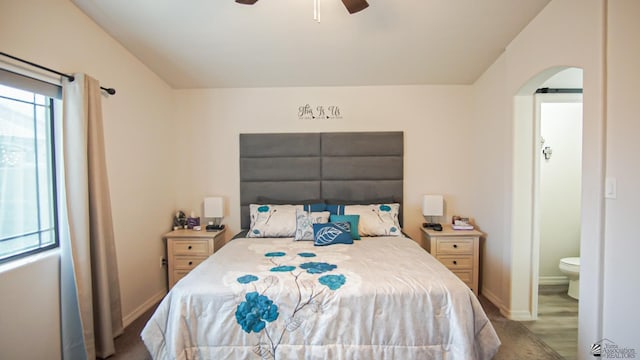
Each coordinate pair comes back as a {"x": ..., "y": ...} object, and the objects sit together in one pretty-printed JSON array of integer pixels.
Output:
[{"x": 219, "y": 43}]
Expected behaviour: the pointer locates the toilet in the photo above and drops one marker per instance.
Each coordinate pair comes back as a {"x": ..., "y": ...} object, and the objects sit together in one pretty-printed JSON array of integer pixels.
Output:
[{"x": 570, "y": 266}]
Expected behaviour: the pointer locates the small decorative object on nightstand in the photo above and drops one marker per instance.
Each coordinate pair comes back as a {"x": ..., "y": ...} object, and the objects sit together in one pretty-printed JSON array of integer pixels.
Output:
[
  {"x": 188, "y": 248},
  {"x": 458, "y": 250}
]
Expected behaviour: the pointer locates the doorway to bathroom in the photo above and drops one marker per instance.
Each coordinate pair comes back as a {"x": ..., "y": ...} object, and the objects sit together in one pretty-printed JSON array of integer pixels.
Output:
[
  {"x": 559, "y": 183},
  {"x": 557, "y": 211}
]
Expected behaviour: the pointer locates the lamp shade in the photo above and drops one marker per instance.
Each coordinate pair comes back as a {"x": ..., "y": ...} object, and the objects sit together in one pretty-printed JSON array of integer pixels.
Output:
[
  {"x": 432, "y": 205},
  {"x": 213, "y": 207}
]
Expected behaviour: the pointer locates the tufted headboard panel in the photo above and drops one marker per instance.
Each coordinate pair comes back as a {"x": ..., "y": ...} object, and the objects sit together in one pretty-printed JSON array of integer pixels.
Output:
[{"x": 353, "y": 167}]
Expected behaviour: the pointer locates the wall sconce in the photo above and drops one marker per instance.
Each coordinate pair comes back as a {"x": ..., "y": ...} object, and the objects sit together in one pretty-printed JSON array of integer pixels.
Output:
[{"x": 214, "y": 209}]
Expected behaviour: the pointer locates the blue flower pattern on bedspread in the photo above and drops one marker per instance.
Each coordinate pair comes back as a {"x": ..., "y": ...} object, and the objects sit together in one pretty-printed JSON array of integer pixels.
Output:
[
  {"x": 253, "y": 313},
  {"x": 317, "y": 267},
  {"x": 258, "y": 312},
  {"x": 333, "y": 282},
  {"x": 247, "y": 279},
  {"x": 283, "y": 268},
  {"x": 275, "y": 254}
]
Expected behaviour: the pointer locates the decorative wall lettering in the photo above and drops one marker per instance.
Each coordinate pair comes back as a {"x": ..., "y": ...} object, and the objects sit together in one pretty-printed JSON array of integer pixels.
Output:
[{"x": 320, "y": 112}]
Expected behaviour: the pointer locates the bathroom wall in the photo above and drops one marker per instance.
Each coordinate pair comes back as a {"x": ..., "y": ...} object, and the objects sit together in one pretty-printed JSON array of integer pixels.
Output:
[{"x": 560, "y": 183}]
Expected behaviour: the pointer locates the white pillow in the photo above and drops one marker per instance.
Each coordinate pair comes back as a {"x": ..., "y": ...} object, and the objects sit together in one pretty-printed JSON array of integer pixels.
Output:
[
  {"x": 272, "y": 220},
  {"x": 376, "y": 219},
  {"x": 305, "y": 221}
]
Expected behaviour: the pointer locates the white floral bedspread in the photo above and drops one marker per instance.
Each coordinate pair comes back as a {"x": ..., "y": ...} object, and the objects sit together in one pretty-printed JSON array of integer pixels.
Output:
[{"x": 380, "y": 298}]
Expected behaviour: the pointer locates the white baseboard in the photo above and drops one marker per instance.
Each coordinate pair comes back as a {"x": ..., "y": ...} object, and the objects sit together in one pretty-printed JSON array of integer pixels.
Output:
[
  {"x": 128, "y": 319},
  {"x": 521, "y": 315},
  {"x": 553, "y": 280},
  {"x": 504, "y": 310},
  {"x": 495, "y": 300}
]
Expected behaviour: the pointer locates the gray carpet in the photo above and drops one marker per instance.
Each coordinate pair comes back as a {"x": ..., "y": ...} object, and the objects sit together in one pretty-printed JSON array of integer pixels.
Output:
[{"x": 518, "y": 342}]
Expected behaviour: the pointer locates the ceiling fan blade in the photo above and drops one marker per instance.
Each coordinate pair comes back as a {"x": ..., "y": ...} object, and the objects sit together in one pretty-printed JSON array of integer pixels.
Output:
[
  {"x": 353, "y": 6},
  {"x": 246, "y": 2}
]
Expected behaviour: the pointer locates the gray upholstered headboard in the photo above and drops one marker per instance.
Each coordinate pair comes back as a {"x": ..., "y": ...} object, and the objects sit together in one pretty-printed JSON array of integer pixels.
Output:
[{"x": 349, "y": 166}]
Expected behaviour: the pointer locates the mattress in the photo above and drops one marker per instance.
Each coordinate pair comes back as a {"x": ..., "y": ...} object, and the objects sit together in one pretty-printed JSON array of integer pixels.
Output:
[{"x": 275, "y": 298}]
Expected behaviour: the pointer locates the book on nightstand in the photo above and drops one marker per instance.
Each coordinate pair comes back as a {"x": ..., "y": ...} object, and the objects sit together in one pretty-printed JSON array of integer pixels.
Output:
[{"x": 461, "y": 223}]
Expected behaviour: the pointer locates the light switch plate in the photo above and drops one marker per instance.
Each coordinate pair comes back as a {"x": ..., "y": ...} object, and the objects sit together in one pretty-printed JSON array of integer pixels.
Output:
[{"x": 610, "y": 188}]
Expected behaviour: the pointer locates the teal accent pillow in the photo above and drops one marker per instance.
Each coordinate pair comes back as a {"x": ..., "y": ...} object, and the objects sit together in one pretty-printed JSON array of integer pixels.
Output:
[
  {"x": 352, "y": 220},
  {"x": 332, "y": 233}
]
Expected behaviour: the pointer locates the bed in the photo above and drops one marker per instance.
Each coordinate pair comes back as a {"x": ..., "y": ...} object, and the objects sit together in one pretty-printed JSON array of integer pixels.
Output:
[{"x": 320, "y": 294}]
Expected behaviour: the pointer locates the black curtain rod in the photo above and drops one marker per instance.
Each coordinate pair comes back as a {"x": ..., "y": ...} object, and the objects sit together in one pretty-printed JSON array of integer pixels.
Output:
[
  {"x": 110, "y": 91},
  {"x": 558, "y": 91}
]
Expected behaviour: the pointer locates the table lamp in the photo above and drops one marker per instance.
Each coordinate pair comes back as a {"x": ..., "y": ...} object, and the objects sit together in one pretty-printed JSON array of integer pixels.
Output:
[
  {"x": 432, "y": 205},
  {"x": 214, "y": 209}
]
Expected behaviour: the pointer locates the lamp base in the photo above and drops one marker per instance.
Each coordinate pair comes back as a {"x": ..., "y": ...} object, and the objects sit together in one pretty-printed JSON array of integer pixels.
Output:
[
  {"x": 214, "y": 227},
  {"x": 433, "y": 226}
]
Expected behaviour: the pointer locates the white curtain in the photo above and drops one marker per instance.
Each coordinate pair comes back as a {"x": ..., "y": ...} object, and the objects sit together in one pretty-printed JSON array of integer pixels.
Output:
[{"x": 90, "y": 292}]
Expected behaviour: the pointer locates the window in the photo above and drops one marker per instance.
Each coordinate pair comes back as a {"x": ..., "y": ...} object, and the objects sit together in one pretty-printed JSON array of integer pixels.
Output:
[{"x": 27, "y": 167}]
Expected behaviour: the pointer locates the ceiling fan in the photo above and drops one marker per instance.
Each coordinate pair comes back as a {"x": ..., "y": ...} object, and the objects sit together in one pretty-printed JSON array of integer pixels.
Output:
[{"x": 353, "y": 6}]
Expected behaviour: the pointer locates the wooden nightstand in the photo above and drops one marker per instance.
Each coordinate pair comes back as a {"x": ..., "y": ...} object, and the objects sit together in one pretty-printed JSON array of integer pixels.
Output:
[
  {"x": 188, "y": 248},
  {"x": 458, "y": 250}
]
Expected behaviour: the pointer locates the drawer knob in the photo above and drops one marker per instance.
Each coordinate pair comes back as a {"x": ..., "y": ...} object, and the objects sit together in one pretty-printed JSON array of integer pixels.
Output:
[
  {"x": 455, "y": 246},
  {"x": 455, "y": 262},
  {"x": 190, "y": 262},
  {"x": 190, "y": 247}
]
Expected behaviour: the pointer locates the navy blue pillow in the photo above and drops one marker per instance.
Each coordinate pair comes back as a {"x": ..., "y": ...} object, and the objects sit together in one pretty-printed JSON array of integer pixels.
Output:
[
  {"x": 335, "y": 209},
  {"x": 316, "y": 207},
  {"x": 332, "y": 233}
]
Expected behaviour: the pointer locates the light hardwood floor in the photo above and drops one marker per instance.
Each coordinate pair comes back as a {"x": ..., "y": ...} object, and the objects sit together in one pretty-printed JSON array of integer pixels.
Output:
[{"x": 557, "y": 323}]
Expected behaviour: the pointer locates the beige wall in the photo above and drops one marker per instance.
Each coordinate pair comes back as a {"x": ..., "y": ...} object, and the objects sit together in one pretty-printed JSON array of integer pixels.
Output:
[
  {"x": 547, "y": 45},
  {"x": 434, "y": 120},
  {"x": 621, "y": 276},
  {"x": 29, "y": 308},
  {"x": 139, "y": 128},
  {"x": 609, "y": 274}
]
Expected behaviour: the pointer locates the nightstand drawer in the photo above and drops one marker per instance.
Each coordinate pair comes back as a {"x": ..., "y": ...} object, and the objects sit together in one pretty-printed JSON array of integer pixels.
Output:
[
  {"x": 187, "y": 263},
  {"x": 457, "y": 262},
  {"x": 191, "y": 247},
  {"x": 466, "y": 276},
  {"x": 455, "y": 246},
  {"x": 179, "y": 274}
]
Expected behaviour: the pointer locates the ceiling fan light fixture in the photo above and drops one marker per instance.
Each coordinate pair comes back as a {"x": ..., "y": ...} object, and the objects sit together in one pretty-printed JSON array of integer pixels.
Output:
[
  {"x": 246, "y": 2},
  {"x": 353, "y": 6}
]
